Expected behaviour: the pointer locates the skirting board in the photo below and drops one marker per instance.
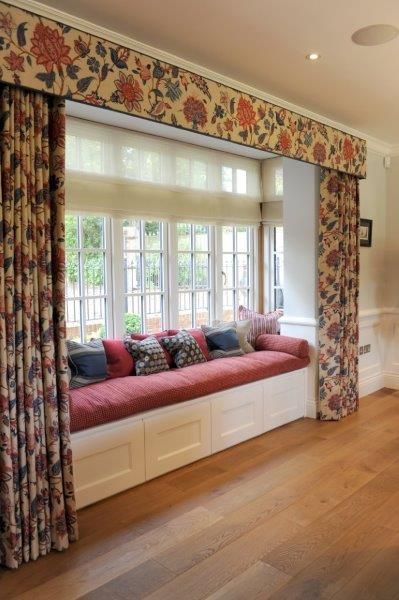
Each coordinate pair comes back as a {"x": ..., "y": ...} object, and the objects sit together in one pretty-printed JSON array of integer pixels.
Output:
[
  {"x": 371, "y": 384},
  {"x": 391, "y": 381}
]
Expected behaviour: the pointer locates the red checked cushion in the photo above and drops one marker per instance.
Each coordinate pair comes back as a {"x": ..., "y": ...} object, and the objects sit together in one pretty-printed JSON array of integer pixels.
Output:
[
  {"x": 199, "y": 337},
  {"x": 119, "y": 362},
  {"x": 115, "y": 399},
  {"x": 283, "y": 343},
  {"x": 158, "y": 336}
]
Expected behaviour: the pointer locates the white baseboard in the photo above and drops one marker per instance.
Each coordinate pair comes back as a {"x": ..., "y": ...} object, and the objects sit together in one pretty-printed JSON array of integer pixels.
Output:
[
  {"x": 311, "y": 408},
  {"x": 391, "y": 381},
  {"x": 371, "y": 384}
]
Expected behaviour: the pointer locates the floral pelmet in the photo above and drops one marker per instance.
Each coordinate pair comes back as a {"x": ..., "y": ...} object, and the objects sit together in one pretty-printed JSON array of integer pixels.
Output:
[{"x": 43, "y": 55}]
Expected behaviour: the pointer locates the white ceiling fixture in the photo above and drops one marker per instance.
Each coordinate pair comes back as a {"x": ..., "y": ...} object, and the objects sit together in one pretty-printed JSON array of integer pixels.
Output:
[
  {"x": 375, "y": 35},
  {"x": 313, "y": 56}
]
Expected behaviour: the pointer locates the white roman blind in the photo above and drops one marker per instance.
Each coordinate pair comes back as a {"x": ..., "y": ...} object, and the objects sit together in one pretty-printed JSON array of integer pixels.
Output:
[{"x": 120, "y": 172}]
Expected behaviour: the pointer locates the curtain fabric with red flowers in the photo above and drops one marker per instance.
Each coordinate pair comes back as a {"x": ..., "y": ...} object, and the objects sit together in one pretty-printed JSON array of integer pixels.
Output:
[
  {"x": 338, "y": 294},
  {"x": 37, "y": 506}
]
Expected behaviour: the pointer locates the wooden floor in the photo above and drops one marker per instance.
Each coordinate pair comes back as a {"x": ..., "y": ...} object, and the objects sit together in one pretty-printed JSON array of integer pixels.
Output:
[{"x": 308, "y": 511}]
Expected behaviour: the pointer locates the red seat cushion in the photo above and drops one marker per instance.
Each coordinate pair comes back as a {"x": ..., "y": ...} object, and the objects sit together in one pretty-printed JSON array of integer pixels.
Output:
[{"x": 125, "y": 396}]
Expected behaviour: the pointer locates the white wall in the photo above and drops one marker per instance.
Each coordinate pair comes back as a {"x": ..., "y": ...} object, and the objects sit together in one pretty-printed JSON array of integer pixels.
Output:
[{"x": 300, "y": 220}]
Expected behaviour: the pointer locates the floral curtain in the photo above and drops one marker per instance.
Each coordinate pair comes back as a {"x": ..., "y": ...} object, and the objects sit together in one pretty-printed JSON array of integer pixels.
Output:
[
  {"x": 338, "y": 294},
  {"x": 37, "y": 506}
]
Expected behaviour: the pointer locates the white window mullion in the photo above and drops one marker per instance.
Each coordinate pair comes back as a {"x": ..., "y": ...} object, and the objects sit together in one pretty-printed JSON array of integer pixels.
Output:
[
  {"x": 173, "y": 277},
  {"x": 218, "y": 273},
  {"x": 117, "y": 283}
]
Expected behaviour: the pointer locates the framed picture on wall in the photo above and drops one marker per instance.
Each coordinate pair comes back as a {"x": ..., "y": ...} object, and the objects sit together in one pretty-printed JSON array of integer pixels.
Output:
[{"x": 366, "y": 231}]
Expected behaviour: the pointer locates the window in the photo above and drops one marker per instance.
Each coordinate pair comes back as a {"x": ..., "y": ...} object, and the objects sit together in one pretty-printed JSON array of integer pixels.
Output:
[
  {"x": 194, "y": 274},
  {"x": 133, "y": 275},
  {"x": 237, "y": 269},
  {"x": 86, "y": 240},
  {"x": 277, "y": 262},
  {"x": 144, "y": 275}
]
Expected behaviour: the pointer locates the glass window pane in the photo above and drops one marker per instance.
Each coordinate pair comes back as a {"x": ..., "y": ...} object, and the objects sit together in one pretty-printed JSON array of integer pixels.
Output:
[
  {"x": 94, "y": 273},
  {"x": 242, "y": 270},
  {"x": 243, "y": 298},
  {"x": 228, "y": 238},
  {"x": 201, "y": 237},
  {"x": 72, "y": 283},
  {"x": 278, "y": 298},
  {"x": 228, "y": 270},
  {"x": 150, "y": 166},
  {"x": 279, "y": 239},
  {"x": 185, "y": 310},
  {"x": 182, "y": 171},
  {"x": 201, "y": 308},
  {"x": 132, "y": 315},
  {"x": 152, "y": 235},
  {"x": 184, "y": 270},
  {"x": 132, "y": 272},
  {"x": 154, "y": 313},
  {"x": 130, "y": 162},
  {"x": 71, "y": 231},
  {"x": 241, "y": 176},
  {"x": 91, "y": 156},
  {"x": 131, "y": 235},
  {"x": 183, "y": 236},
  {"x": 198, "y": 174},
  {"x": 242, "y": 239},
  {"x": 95, "y": 318},
  {"x": 153, "y": 272},
  {"x": 73, "y": 318},
  {"x": 227, "y": 179},
  {"x": 71, "y": 159},
  {"x": 228, "y": 305},
  {"x": 93, "y": 232},
  {"x": 201, "y": 271}
]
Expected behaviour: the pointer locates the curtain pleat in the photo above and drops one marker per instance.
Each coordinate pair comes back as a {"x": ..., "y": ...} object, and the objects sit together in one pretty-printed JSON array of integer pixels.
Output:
[
  {"x": 338, "y": 295},
  {"x": 37, "y": 504}
]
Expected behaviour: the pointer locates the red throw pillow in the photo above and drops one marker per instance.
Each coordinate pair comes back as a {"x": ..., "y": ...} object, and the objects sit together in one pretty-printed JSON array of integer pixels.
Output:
[
  {"x": 158, "y": 336},
  {"x": 119, "y": 362},
  {"x": 199, "y": 337}
]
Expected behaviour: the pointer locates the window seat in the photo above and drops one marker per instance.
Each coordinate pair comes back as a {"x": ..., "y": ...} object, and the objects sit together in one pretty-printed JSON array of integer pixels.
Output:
[{"x": 131, "y": 429}]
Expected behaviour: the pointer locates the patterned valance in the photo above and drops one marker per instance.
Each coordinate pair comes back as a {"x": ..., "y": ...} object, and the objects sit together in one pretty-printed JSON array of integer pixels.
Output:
[{"x": 41, "y": 54}]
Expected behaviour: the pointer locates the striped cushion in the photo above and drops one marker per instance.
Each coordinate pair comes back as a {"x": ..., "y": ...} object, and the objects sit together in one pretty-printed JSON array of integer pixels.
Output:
[
  {"x": 260, "y": 323},
  {"x": 222, "y": 340},
  {"x": 87, "y": 363}
]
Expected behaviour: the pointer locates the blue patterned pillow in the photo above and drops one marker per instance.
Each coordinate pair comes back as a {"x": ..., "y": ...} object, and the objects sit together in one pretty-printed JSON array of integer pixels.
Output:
[
  {"x": 148, "y": 355},
  {"x": 222, "y": 340},
  {"x": 184, "y": 349},
  {"x": 87, "y": 362}
]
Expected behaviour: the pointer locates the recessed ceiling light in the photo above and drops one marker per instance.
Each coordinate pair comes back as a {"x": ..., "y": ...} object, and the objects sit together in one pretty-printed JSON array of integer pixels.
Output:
[
  {"x": 313, "y": 56},
  {"x": 374, "y": 35}
]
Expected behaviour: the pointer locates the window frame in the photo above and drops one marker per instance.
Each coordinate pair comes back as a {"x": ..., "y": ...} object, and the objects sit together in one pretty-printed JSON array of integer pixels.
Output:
[
  {"x": 271, "y": 287},
  {"x": 114, "y": 271},
  {"x": 80, "y": 251}
]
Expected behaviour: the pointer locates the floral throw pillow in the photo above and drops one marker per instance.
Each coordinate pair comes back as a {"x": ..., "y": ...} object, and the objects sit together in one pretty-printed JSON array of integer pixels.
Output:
[
  {"x": 148, "y": 355},
  {"x": 184, "y": 349}
]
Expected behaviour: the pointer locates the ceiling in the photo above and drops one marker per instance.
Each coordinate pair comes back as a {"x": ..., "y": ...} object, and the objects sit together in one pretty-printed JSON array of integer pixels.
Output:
[{"x": 263, "y": 43}]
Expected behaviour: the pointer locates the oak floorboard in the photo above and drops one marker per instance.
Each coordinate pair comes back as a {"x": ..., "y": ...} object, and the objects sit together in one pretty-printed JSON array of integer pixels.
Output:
[{"x": 308, "y": 510}]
